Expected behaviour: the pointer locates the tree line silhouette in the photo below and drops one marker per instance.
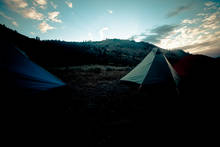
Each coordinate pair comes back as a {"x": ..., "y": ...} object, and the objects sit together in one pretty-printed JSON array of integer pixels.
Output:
[{"x": 62, "y": 53}]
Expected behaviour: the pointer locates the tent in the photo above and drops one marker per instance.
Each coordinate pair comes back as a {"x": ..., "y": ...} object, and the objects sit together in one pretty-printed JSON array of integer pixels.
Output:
[
  {"x": 27, "y": 86},
  {"x": 23, "y": 75},
  {"x": 154, "y": 69}
]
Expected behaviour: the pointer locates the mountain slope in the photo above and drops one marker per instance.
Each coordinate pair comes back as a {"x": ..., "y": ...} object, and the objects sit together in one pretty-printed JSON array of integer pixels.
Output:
[{"x": 62, "y": 53}]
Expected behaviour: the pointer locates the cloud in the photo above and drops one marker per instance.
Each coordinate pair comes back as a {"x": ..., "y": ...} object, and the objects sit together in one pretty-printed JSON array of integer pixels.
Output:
[
  {"x": 5, "y": 16},
  {"x": 32, "y": 33},
  {"x": 203, "y": 37},
  {"x": 41, "y": 3},
  {"x": 160, "y": 33},
  {"x": 44, "y": 27},
  {"x": 201, "y": 14},
  {"x": 209, "y": 3},
  {"x": 9, "y": 18},
  {"x": 53, "y": 5},
  {"x": 200, "y": 46},
  {"x": 31, "y": 13},
  {"x": 179, "y": 10},
  {"x": 43, "y": 7},
  {"x": 134, "y": 37},
  {"x": 14, "y": 4},
  {"x": 210, "y": 47},
  {"x": 156, "y": 34},
  {"x": 102, "y": 31},
  {"x": 53, "y": 16},
  {"x": 69, "y": 4},
  {"x": 187, "y": 21},
  {"x": 164, "y": 29},
  {"x": 21, "y": 7},
  {"x": 110, "y": 11},
  {"x": 15, "y": 23},
  {"x": 211, "y": 21},
  {"x": 185, "y": 36}
]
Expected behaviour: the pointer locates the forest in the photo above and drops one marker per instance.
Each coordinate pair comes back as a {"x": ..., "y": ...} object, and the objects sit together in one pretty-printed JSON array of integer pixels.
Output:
[{"x": 61, "y": 53}]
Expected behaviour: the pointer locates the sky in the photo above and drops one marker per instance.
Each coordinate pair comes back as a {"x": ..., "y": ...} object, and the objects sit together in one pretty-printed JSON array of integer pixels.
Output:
[{"x": 191, "y": 25}]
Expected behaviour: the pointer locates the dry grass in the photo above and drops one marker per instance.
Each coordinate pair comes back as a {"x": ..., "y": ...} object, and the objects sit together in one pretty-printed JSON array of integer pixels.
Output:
[
  {"x": 115, "y": 110},
  {"x": 98, "y": 85},
  {"x": 92, "y": 80}
]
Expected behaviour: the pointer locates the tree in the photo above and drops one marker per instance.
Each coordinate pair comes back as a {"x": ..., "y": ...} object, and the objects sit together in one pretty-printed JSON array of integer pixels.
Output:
[{"x": 37, "y": 38}]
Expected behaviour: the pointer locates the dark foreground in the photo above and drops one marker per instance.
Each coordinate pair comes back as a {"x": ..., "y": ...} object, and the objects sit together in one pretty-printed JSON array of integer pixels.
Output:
[{"x": 111, "y": 113}]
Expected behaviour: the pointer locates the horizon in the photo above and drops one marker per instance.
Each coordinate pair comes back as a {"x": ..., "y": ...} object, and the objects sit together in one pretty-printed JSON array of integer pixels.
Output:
[{"x": 193, "y": 26}]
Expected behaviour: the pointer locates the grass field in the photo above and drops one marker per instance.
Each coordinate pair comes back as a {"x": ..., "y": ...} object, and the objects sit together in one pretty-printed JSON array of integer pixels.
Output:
[
  {"x": 115, "y": 111},
  {"x": 120, "y": 114},
  {"x": 92, "y": 82}
]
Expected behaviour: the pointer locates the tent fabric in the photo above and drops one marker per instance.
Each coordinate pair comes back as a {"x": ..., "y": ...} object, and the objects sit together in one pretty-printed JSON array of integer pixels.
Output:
[
  {"x": 21, "y": 73},
  {"x": 173, "y": 72},
  {"x": 139, "y": 73},
  {"x": 153, "y": 69}
]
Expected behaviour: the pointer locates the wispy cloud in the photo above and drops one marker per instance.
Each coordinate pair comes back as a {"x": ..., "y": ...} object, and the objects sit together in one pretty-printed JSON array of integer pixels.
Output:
[
  {"x": 21, "y": 7},
  {"x": 208, "y": 47},
  {"x": 9, "y": 18},
  {"x": 203, "y": 38},
  {"x": 32, "y": 33},
  {"x": 69, "y": 4},
  {"x": 211, "y": 21},
  {"x": 102, "y": 32},
  {"x": 110, "y": 11},
  {"x": 178, "y": 10},
  {"x": 41, "y": 3},
  {"x": 209, "y": 3},
  {"x": 200, "y": 35},
  {"x": 5, "y": 16},
  {"x": 206, "y": 38},
  {"x": 53, "y": 16},
  {"x": 31, "y": 13},
  {"x": 156, "y": 34},
  {"x": 15, "y": 23},
  {"x": 188, "y": 21},
  {"x": 14, "y": 4},
  {"x": 53, "y": 5},
  {"x": 160, "y": 32},
  {"x": 44, "y": 27}
]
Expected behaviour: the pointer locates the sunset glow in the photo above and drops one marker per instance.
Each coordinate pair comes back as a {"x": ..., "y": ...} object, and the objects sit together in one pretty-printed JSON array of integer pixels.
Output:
[{"x": 184, "y": 24}]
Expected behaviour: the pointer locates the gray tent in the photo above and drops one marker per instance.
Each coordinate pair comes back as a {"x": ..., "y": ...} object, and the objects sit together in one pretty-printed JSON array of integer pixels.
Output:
[{"x": 154, "y": 69}]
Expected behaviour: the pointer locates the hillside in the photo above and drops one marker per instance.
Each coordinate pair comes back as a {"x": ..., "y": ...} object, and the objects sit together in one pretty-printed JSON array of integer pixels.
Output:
[
  {"x": 106, "y": 112},
  {"x": 62, "y": 53}
]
